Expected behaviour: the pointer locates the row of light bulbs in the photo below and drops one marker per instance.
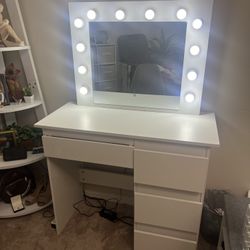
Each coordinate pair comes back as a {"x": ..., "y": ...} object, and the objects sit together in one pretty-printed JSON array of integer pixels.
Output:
[{"x": 149, "y": 14}]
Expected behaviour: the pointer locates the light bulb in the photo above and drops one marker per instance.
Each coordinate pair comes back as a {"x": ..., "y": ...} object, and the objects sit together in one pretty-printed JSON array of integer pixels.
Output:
[
  {"x": 120, "y": 14},
  {"x": 189, "y": 97},
  {"x": 80, "y": 47},
  {"x": 192, "y": 75},
  {"x": 195, "y": 50},
  {"x": 78, "y": 22},
  {"x": 181, "y": 14},
  {"x": 149, "y": 14},
  {"x": 91, "y": 14},
  {"x": 84, "y": 90},
  {"x": 82, "y": 70},
  {"x": 197, "y": 24}
]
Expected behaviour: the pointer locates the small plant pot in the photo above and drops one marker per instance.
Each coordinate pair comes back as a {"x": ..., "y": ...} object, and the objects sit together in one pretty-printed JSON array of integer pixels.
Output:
[{"x": 29, "y": 99}]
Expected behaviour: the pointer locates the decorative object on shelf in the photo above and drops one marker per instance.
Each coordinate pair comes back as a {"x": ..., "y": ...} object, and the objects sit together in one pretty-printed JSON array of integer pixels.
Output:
[
  {"x": 1, "y": 99},
  {"x": 8, "y": 36},
  {"x": 7, "y": 139},
  {"x": 14, "y": 182},
  {"x": 28, "y": 95},
  {"x": 26, "y": 136},
  {"x": 15, "y": 89},
  {"x": 5, "y": 90},
  {"x": 14, "y": 154},
  {"x": 41, "y": 194}
]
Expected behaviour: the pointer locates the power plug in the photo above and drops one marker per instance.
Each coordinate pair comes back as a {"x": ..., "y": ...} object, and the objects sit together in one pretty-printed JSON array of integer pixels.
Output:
[{"x": 108, "y": 214}]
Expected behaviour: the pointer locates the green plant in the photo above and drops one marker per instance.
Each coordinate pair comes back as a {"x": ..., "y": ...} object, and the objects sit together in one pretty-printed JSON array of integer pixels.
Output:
[
  {"x": 27, "y": 90},
  {"x": 25, "y": 133}
]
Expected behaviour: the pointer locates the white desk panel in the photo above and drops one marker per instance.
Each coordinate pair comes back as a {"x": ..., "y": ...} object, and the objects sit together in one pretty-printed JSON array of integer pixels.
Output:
[{"x": 145, "y": 125}]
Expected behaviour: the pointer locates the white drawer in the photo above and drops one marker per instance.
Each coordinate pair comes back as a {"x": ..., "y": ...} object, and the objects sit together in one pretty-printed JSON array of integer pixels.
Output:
[
  {"x": 105, "y": 54},
  {"x": 88, "y": 151},
  {"x": 106, "y": 73},
  {"x": 148, "y": 241},
  {"x": 172, "y": 171},
  {"x": 168, "y": 213}
]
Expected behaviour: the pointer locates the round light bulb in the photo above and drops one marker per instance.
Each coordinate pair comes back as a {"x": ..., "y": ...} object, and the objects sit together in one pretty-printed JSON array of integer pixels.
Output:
[
  {"x": 181, "y": 14},
  {"x": 192, "y": 75},
  {"x": 91, "y": 14},
  {"x": 119, "y": 14},
  {"x": 195, "y": 50},
  {"x": 78, "y": 22},
  {"x": 149, "y": 14},
  {"x": 189, "y": 97},
  {"x": 80, "y": 47},
  {"x": 84, "y": 90},
  {"x": 82, "y": 70},
  {"x": 197, "y": 24}
]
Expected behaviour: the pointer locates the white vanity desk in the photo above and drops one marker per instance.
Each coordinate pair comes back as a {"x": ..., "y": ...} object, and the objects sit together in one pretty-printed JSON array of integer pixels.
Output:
[{"x": 169, "y": 153}]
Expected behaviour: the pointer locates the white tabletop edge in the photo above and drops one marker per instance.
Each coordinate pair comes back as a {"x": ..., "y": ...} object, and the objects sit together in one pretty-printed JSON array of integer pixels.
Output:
[{"x": 173, "y": 128}]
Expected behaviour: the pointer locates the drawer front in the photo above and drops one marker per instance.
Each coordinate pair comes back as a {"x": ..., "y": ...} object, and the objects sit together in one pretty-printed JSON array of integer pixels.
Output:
[
  {"x": 168, "y": 213},
  {"x": 149, "y": 241},
  {"x": 172, "y": 171},
  {"x": 106, "y": 73},
  {"x": 105, "y": 54},
  {"x": 88, "y": 151}
]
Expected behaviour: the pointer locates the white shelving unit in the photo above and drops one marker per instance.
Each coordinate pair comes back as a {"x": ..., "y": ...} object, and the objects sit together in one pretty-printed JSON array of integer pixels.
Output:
[
  {"x": 13, "y": 107},
  {"x": 6, "y": 49},
  {"x": 7, "y": 212},
  {"x": 31, "y": 158},
  {"x": 23, "y": 113}
]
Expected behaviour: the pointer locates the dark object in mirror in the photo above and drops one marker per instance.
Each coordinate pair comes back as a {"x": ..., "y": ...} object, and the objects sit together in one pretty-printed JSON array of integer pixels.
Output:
[{"x": 138, "y": 57}]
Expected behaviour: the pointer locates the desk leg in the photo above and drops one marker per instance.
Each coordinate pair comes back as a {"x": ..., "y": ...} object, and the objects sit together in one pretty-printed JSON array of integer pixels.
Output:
[{"x": 65, "y": 188}]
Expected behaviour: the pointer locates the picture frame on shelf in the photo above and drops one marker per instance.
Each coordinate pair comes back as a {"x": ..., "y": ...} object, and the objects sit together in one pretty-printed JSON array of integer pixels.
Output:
[
  {"x": 5, "y": 90},
  {"x": 12, "y": 74}
]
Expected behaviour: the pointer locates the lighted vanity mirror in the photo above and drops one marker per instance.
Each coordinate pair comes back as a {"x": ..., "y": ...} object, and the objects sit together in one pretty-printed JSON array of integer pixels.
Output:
[
  {"x": 138, "y": 57},
  {"x": 142, "y": 54}
]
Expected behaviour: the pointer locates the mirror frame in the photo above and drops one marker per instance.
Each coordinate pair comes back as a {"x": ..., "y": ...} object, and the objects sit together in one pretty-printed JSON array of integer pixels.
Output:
[{"x": 165, "y": 11}]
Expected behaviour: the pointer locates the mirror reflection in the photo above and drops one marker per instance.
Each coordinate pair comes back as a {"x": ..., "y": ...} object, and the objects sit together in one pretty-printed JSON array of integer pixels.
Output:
[{"x": 138, "y": 57}]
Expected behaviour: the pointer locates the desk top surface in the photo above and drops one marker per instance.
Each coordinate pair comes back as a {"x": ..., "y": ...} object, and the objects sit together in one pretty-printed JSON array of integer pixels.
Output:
[{"x": 146, "y": 125}]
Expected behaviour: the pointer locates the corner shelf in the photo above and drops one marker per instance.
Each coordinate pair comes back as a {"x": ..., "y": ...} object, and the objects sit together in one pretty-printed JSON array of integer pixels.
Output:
[
  {"x": 7, "y": 212},
  {"x": 31, "y": 158},
  {"x": 6, "y": 49},
  {"x": 35, "y": 111},
  {"x": 13, "y": 107}
]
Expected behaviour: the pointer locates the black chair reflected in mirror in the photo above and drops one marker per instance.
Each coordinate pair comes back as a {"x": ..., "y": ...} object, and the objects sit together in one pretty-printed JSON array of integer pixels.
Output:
[
  {"x": 145, "y": 72},
  {"x": 133, "y": 50},
  {"x": 148, "y": 80}
]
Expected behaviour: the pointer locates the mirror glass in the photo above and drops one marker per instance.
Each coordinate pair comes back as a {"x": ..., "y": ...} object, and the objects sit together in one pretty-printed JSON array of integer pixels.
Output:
[{"x": 138, "y": 57}]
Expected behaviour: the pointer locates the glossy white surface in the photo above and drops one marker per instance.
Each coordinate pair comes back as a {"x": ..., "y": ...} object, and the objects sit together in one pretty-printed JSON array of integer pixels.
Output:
[
  {"x": 5, "y": 49},
  {"x": 166, "y": 127},
  {"x": 13, "y": 107}
]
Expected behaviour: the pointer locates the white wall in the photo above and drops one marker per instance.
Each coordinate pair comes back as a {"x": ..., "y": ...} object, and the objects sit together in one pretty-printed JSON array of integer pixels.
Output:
[
  {"x": 227, "y": 87},
  {"x": 227, "y": 92},
  {"x": 48, "y": 31}
]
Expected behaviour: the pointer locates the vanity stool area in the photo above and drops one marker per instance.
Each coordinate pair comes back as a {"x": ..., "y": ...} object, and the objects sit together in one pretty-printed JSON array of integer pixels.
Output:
[{"x": 168, "y": 152}]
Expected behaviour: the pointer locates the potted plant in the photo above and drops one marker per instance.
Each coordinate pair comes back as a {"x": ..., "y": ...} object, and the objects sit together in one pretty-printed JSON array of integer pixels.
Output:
[
  {"x": 28, "y": 94},
  {"x": 26, "y": 136}
]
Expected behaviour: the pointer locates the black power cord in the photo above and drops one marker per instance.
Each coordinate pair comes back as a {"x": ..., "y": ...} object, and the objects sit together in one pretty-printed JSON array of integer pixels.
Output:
[{"x": 102, "y": 208}]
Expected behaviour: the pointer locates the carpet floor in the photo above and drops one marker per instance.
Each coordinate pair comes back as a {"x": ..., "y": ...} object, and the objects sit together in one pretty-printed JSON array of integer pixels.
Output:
[{"x": 33, "y": 232}]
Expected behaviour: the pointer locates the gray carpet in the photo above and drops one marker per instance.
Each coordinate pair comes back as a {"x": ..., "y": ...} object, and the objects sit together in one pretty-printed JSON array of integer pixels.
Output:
[{"x": 33, "y": 232}]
